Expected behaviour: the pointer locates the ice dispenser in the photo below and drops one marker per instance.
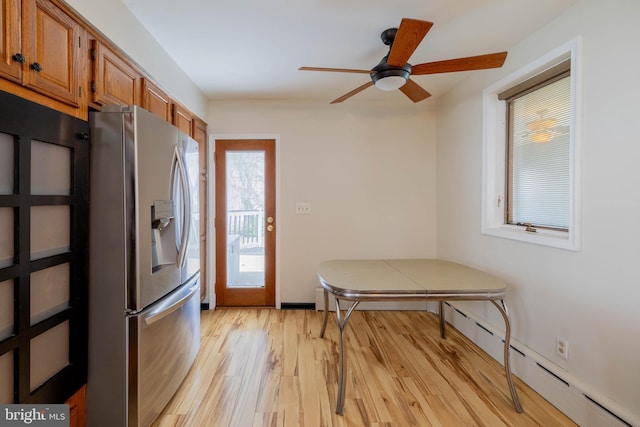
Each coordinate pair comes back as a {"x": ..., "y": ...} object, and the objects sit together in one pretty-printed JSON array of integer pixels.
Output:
[{"x": 163, "y": 236}]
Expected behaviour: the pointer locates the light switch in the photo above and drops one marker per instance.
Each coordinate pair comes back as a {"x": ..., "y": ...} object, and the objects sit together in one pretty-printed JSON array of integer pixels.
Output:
[{"x": 303, "y": 208}]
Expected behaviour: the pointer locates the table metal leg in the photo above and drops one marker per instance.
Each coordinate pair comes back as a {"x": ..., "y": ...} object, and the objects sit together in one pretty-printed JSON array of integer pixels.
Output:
[
  {"x": 326, "y": 312},
  {"x": 342, "y": 323},
  {"x": 443, "y": 333},
  {"x": 502, "y": 308}
]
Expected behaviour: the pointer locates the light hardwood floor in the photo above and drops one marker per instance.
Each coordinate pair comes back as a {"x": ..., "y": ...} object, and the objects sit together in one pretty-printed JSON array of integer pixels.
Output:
[{"x": 267, "y": 367}]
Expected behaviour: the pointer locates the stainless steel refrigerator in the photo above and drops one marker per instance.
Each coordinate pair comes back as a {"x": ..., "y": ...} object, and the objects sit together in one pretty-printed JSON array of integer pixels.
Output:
[{"x": 144, "y": 299}]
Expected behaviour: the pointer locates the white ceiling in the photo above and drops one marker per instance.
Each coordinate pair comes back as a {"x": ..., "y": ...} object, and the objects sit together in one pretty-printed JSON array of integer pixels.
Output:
[{"x": 252, "y": 49}]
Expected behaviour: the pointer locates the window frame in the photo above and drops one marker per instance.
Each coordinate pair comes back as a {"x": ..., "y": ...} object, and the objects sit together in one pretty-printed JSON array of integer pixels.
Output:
[{"x": 495, "y": 141}]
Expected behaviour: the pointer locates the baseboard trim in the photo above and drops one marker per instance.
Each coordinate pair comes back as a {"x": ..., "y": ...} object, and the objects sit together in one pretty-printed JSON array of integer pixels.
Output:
[
  {"x": 297, "y": 306},
  {"x": 579, "y": 402}
]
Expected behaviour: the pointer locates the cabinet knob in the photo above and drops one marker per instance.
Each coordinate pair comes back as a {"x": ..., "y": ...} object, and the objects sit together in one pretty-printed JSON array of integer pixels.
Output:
[
  {"x": 36, "y": 67},
  {"x": 18, "y": 57}
]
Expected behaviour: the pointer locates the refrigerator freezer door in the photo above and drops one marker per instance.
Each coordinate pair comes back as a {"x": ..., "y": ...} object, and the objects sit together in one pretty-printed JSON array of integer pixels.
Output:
[{"x": 165, "y": 339}]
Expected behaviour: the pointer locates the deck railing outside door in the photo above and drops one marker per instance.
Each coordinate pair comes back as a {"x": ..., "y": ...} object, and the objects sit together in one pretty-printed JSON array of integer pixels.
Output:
[{"x": 248, "y": 226}]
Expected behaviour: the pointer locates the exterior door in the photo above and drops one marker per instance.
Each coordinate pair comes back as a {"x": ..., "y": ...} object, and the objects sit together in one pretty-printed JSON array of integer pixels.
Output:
[{"x": 245, "y": 222}]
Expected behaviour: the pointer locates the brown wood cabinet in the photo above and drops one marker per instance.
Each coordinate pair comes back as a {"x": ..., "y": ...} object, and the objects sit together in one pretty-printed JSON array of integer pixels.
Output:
[
  {"x": 52, "y": 56},
  {"x": 113, "y": 81},
  {"x": 40, "y": 48},
  {"x": 156, "y": 100},
  {"x": 41, "y": 54},
  {"x": 10, "y": 40},
  {"x": 182, "y": 119},
  {"x": 52, "y": 50},
  {"x": 78, "y": 408}
]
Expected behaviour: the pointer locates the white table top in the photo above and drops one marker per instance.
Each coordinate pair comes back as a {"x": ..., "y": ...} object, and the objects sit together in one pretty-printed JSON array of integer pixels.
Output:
[{"x": 406, "y": 278}]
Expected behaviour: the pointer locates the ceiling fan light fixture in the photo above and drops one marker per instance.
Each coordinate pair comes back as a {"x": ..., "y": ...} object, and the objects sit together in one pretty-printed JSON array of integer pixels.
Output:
[
  {"x": 391, "y": 80},
  {"x": 388, "y": 78}
]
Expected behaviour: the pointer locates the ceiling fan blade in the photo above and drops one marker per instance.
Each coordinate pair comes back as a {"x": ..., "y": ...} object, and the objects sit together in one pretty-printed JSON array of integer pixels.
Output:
[
  {"x": 337, "y": 70},
  {"x": 409, "y": 35},
  {"x": 414, "y": 91},
  {"x": 480, "y": 62},
  {"x": 353, "y": 92}
]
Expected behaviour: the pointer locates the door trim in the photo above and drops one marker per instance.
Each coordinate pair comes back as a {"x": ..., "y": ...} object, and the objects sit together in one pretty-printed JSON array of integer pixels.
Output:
[{"x": 211, "y": 209}]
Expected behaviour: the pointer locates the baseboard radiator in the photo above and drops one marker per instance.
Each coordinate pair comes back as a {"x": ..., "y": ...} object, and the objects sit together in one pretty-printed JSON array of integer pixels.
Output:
[{"x": 580, "y": 403}]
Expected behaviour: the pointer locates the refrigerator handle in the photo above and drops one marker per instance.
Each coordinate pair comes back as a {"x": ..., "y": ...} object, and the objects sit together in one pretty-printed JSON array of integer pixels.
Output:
[
  {"x": 182, "y": 252},
  {"x": 172, "y": 303}
]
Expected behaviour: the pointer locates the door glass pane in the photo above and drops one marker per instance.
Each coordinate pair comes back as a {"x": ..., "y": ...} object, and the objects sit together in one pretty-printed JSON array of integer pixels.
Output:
[
  {"x": 245, "y": 219},
  {"x": 50, "y": 169},
  {"x": 6, "y": 310},
  {"x": 6, "y": 164},
  {"x": 50, "y": 228},
  {"x": 6, "y": 237},
  {"x": 49, "y": 354},
  {"x": 49, "y": 292},
  {"x": 6, "y": 378}
]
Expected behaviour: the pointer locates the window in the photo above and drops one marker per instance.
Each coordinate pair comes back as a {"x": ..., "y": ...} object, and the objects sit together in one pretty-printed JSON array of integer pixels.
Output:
[
  {"x": 530, "y": 167},
  {"x": 538, "y": 126}
]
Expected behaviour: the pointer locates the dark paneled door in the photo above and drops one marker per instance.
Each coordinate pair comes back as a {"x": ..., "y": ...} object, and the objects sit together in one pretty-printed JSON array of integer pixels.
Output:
[{"x": 44, "y": 205}]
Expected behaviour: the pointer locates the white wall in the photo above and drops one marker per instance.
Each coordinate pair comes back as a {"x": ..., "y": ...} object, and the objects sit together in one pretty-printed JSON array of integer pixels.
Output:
[
  {"x": 368, "y": 173},
  {"x": 590, "y": 297},
  {"x": 115, "y": 21}
]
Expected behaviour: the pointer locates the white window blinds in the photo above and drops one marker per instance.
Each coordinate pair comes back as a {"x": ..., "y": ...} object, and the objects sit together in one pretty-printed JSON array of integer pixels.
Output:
[{"x": 538, "y": 178}]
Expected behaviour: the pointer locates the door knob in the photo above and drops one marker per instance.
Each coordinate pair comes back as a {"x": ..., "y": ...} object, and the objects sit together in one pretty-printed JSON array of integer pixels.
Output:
[
  {"x": 269, "y": 227},
  {"x": 270, "y": 220}
]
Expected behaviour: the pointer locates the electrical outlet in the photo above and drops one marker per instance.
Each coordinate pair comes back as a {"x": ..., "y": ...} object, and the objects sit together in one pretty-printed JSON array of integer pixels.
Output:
[
  {"x": 303, "y": 208},
  {"x": 562, "y": 348}
]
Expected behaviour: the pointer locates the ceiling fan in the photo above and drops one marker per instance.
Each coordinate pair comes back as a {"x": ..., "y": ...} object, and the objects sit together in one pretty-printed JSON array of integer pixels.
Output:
[{"x": 393, "y": 71}]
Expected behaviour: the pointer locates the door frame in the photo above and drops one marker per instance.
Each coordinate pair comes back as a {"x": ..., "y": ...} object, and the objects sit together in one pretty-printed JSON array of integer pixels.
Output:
[{"x": 211, "y": 209}]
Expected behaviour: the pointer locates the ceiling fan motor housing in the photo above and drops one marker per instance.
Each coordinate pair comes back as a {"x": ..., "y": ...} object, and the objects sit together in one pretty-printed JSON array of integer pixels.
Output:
[{"x": 388, "y": 36}]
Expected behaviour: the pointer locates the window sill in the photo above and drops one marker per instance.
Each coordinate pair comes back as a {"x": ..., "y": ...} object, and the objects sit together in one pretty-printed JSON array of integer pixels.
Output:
[{"x": 556, "y": 239}]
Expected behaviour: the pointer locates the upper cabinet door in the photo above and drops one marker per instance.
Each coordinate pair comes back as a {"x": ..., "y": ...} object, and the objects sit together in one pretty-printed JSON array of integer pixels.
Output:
[
  {"x": 114, "y": 82},
  {"x": 183, "y": 119},
  {"x": 52, "y": 51},
  {"x": 156, "y": 100},
  {"x": 10, "y": 53}
]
